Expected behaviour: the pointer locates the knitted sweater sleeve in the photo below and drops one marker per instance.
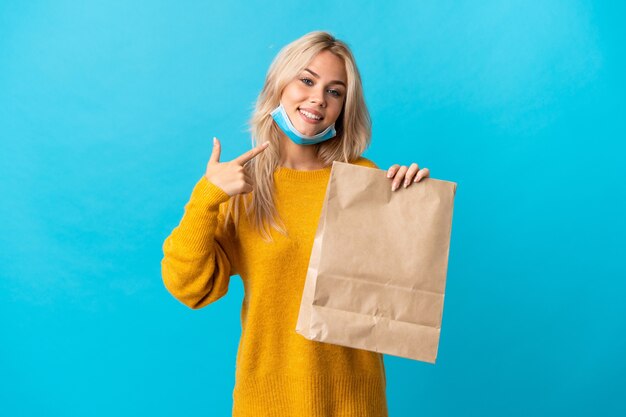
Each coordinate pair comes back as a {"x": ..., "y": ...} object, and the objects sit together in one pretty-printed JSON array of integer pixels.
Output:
[{"x": 199, "y": 256}]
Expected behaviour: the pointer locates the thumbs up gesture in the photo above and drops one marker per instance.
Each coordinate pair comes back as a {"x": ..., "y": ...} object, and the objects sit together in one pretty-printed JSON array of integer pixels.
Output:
[{"x": 231, "y": 176}]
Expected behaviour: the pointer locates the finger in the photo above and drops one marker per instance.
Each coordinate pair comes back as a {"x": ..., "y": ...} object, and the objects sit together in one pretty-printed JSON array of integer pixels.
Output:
[
  {"x": 242, "y": 159},
  {"x": 398, "y": 178},
  {"x": 423, "y": 173},
  {"x": 408, "y": 177},
  {"x": 392, "y": 170},
  {"x": 215, "y": 153}
]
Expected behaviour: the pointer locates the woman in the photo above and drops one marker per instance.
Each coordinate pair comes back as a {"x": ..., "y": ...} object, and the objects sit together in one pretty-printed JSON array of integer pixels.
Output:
[{"x": 256, "y": 216}]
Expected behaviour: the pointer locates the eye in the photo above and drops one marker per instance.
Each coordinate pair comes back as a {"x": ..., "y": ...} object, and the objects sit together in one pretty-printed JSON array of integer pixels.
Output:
[
  {"x": 309, "y": 82},
  {"x": 335, "y": 93}
]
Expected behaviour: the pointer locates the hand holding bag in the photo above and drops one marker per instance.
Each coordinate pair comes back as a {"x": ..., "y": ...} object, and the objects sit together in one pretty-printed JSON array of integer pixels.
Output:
[{"x": 377, "y": 271}]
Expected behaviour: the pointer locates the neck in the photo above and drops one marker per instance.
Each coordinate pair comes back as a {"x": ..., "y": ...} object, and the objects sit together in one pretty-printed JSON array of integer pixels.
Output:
[{"x": 300, "y": 157}]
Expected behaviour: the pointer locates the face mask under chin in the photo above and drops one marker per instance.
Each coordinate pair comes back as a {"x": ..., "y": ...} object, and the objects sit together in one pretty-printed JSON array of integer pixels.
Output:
[{"x": 284, "y": 123}]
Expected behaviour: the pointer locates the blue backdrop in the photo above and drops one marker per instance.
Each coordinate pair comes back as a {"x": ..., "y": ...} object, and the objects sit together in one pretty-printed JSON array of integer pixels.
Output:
[{"x": 107, "y": 110}]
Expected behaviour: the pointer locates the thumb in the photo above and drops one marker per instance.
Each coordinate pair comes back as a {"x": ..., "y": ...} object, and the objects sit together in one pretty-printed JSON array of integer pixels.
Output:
[{"x": 215, "y": 154}]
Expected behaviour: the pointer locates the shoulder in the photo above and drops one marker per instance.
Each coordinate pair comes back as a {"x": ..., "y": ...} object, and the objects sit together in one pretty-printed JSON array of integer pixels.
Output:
[{"x": 362, "y": 161}]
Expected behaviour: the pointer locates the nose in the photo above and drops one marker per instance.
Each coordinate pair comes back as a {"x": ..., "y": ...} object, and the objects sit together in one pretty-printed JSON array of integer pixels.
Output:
[{"x": 317, "y": 96}]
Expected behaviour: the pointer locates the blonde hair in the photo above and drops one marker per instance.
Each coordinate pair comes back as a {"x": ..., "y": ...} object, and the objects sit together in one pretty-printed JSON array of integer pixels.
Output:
[{"x": 353, "y": 127}]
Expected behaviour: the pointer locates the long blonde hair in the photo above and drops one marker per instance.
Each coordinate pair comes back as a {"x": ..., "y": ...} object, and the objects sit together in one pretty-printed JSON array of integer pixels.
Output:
[{"x": 353, "y": 127}]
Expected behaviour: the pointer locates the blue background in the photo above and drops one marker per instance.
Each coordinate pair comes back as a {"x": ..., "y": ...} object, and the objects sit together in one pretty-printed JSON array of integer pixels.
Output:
[{"x": 107, "y": 110}]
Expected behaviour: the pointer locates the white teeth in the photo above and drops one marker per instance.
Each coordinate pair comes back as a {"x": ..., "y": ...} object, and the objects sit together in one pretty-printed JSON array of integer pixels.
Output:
[{"x": 310, "y": 115}]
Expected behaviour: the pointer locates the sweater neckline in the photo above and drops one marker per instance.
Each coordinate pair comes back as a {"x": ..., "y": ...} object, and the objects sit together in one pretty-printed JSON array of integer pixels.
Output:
[{"x": 300, "y": 175}]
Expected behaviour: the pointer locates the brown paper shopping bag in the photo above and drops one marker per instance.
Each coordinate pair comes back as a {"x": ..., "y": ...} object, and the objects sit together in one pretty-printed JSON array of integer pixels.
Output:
[{"x": 377, "y": 272}]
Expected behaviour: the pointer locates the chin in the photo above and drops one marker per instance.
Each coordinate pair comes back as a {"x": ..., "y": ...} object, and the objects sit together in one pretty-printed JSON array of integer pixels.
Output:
[{"x": 309, "y": 130}]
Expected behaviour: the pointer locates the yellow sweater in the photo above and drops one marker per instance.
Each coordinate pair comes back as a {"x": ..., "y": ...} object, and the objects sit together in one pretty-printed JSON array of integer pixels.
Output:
[{"x": 279, "y": 372}]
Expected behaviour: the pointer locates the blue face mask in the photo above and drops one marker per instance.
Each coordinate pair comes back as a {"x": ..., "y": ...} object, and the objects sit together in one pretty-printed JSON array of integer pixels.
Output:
[{"x": 282, "y": 120}]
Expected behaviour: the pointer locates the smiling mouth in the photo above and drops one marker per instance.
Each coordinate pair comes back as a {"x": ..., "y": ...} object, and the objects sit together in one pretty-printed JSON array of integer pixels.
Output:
[{"x": 309, "y": 117}]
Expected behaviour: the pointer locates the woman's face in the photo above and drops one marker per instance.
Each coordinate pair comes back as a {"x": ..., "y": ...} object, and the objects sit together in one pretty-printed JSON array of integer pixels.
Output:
[{"x": 314, "y": 99}]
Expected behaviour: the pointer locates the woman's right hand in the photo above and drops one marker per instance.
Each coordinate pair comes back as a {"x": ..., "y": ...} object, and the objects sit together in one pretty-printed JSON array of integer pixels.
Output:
[{"x": 231, "y": 176}]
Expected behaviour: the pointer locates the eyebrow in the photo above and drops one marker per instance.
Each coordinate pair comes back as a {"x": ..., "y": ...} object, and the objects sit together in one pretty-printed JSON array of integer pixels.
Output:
[{"x": 332, "y": 82}]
